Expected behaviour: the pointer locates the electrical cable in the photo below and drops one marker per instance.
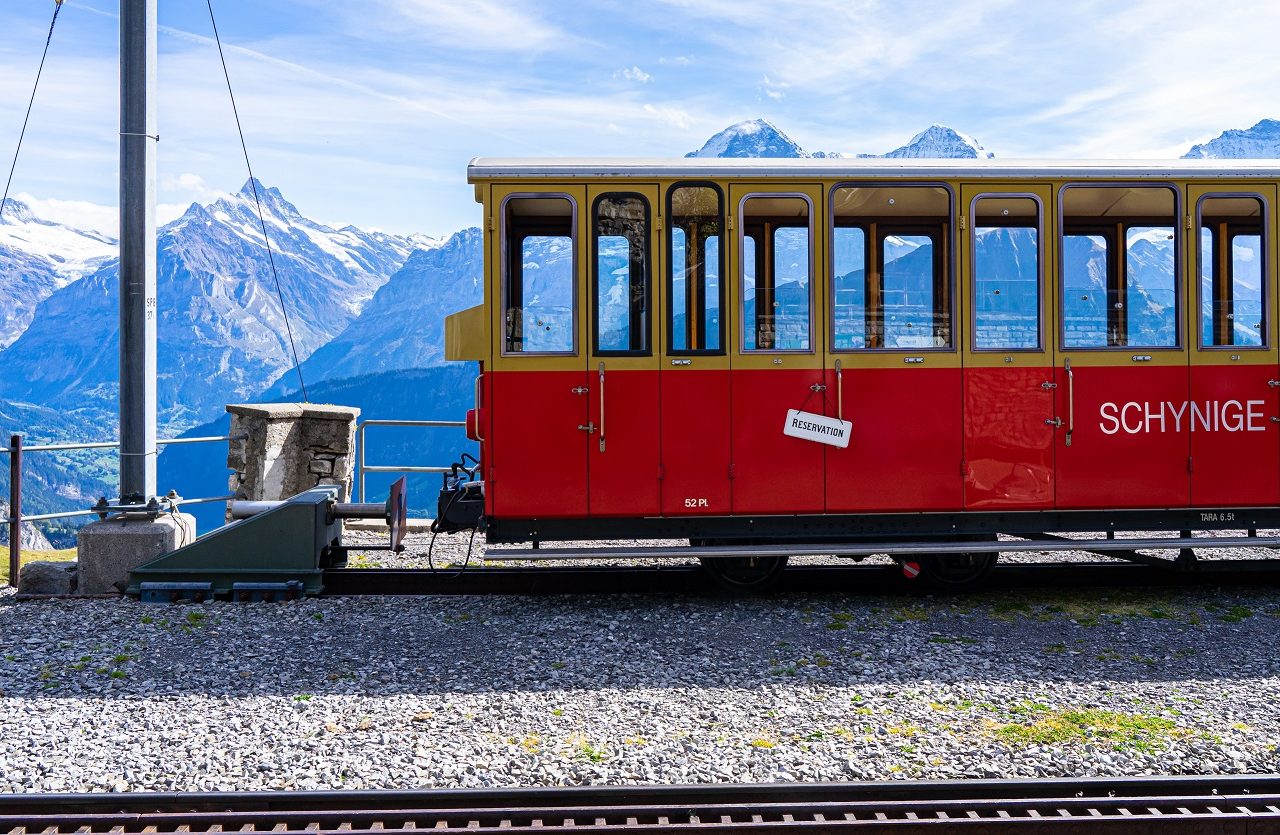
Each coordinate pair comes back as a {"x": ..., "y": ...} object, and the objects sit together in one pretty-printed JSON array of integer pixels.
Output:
[
  {"x": 57, "y": 7},
  {"x": 253, "y": 183}
]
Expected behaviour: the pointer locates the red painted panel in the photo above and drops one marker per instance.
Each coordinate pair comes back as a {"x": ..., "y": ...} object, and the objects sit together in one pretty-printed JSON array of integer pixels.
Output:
[
  {"x": 1008, "y": 446},
  {"x": 623, "y": 478},
  {"x": 695, "y": 443},
  {"x": 772, "y": 472},
  {"x": 537, "y": 455},
  {"x": 1235, "y": 445},
  {"x": 905, "y": 445},
  {"x": 1129, "y": 447}
]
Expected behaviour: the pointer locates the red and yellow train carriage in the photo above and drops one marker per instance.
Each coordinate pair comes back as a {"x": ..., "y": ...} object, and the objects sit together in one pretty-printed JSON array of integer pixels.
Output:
[{"x": 790, "y": 355}]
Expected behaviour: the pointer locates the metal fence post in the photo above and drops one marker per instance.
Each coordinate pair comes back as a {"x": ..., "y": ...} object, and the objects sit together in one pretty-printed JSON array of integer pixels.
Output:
[{"x": 15, "y": 507}]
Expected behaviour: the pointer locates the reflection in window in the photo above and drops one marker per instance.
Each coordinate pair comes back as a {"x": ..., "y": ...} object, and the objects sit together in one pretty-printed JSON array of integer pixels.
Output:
[
  {"x": 1006, "y": 274},
  {"x": 694, "y": 289},
  {"x": 1119, "y": 267},
  {"x": 890, "y": 285},
  {"x": 1232, "y": 278},
  {"x": 538, "y": 292},
  {"x": 776, "y": 274},
  {"x": 621, "y": 227}
]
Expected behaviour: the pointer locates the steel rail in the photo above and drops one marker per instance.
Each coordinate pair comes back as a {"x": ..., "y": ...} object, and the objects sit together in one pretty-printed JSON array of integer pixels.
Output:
[
  {"x": 812, "y": 579},
  {"x": 1236, "y": 804},
  {"x": 670, "y": 552}
]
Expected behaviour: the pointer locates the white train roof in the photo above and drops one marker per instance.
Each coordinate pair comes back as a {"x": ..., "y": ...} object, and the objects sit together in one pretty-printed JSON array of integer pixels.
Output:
[{"x": 569, "y": 168}]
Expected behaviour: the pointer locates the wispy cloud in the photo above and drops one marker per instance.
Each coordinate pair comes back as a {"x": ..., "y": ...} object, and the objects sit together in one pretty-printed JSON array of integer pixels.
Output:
[{"x": 634, "y": 74}]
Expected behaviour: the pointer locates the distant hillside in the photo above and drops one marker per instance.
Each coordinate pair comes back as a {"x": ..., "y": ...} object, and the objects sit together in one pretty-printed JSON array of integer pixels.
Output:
[{"x": 1262, "y": 141}]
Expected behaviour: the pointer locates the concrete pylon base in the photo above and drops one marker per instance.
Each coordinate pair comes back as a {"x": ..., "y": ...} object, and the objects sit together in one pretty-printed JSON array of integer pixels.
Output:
[{"x": 110, "y": 549}]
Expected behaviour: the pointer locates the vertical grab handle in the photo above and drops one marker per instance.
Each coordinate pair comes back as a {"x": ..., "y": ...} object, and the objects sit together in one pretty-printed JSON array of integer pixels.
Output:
[
  {"x": 839, "y": 391},
  {"x": 1071, "y": 399},
  {"x": 479, "y": 436},
  {"x": 602, "y": 407}
]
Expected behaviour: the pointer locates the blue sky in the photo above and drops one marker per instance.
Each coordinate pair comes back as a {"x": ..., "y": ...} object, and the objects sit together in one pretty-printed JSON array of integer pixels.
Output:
[{"x": 367, "y": 112}]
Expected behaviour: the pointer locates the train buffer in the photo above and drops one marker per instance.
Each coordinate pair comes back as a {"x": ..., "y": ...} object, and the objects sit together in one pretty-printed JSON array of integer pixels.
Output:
[{"x": 271, "y": 551}]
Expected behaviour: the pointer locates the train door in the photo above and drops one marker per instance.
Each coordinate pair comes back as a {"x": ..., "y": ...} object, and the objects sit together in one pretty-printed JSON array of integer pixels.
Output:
[
  {"x": 694, "y": 368},
  {"x": 1122, "y": 360},
  {"x": 537, "y": 388},
  {"x": 1235, "y": 382},
  {"x": 892, "y": 364},
  {"x": 622, "y": 430},
  {"x": 776, "y": 367},
  {"x": 1008, "y": 360}
]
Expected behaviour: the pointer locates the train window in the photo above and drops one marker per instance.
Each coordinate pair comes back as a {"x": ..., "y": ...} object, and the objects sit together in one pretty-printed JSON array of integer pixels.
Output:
[
  {"x": 539, "y": 298},
  {"x": 777, "y": 264},
  {"x": 895, "y": 292},
  {"x": 1006, "y": 274},
  {"x": 694, "y": 323},
  {"x": 1119, "y": 267},
  {"x": 1233, "y": 307},
  {"x": 620, "y": 237}
]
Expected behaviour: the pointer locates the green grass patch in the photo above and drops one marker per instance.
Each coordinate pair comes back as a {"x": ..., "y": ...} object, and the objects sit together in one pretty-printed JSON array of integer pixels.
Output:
[
  {"x": 1119, "y": 730},
  {"x": 65, "y": 555}
]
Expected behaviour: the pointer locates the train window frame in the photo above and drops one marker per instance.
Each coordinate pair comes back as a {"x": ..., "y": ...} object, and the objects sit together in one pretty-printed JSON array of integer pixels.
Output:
[
  {"x": 1042, "y": 342},
  {"x": 594, "y": 279},
  {"x": 1265, "y": 253},
  {"x": 740, "y": 278},
  {"x": 1179, "y": 269},
  {"x": 948, "y": 263},
  {"x": 504, "y": 244},
  {"x": 669, "y": 272}
]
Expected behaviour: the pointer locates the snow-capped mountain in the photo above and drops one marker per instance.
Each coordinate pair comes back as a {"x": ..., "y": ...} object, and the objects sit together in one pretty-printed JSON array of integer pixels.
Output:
[
  {"x": 938, "y": 142},
  {"x": 754, "y": 138},
  {"x": 1262, "y": 141},
  {"x": 37, "y": 257},
  {"x": 403, "y": 325},
  {"x": 222, "y": 334}
]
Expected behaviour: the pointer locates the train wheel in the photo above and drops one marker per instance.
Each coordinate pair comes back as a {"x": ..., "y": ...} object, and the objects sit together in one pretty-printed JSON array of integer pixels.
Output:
[
  {"x": 744, "y": 574},
  {"x": 957, "y": 572}
]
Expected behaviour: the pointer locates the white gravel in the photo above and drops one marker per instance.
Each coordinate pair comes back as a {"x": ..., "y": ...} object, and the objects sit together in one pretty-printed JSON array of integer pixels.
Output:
[{"x": 106, "y": 695}]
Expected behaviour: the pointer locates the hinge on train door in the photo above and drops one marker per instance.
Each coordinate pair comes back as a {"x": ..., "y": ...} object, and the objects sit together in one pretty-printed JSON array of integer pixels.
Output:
[
  {"x": 661, "y": 473},
  {"x": 964, "y": 468},
  {"x": 1191, "y": 467},
  {"x": 492, "y": 224},
  {"x": 728, "y": 223},
  {"x": 657, "y": 223},
  {"x": 963, "y": 223},
  {"x": 730, "y": 471},
  {"x": 1186, "y": 223}
]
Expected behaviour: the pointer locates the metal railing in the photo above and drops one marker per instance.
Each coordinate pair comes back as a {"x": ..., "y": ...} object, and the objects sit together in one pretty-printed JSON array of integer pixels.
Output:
[
  {"x": 15, "y": 451},
  {"x": 378, "y": 468}
]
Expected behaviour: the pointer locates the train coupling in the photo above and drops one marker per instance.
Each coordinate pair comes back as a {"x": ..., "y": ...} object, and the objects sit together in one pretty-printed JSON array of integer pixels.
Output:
[{"x": 460, "y": 506}]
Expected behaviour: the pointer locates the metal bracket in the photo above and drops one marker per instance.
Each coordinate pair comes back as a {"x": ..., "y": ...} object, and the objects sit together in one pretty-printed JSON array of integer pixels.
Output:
[{"x": 589, "y": 428}]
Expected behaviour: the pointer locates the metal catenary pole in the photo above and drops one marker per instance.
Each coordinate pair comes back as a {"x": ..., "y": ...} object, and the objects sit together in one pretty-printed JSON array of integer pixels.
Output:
[
  {"x": 15, "y": 508},
  {"x": 138, "y": 310}
]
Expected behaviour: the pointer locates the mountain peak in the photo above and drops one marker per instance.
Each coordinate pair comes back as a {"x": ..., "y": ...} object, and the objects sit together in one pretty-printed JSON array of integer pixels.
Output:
[
  {"x": 940, "y": 142},
  {"x": 751, "y": 138},
  {"x": 271, "y": 198},
  {"x": 1262, "y": 141},
  {"x": 15, "y": 211}
]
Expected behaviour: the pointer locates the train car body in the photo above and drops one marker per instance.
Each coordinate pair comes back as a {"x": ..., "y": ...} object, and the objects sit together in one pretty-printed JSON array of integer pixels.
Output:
[{"x": 827, "y": 350}]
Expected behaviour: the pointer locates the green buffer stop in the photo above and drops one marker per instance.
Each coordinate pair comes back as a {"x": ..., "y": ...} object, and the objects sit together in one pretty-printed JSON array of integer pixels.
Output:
[{"x": 275, "y": 550}]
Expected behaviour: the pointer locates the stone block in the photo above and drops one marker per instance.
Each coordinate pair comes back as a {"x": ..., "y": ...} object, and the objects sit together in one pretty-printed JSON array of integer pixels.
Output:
[
  {"x": 48, "y": 578},
  {"x": 110, "y": 549},
  {"x": 320, "y": 466}
]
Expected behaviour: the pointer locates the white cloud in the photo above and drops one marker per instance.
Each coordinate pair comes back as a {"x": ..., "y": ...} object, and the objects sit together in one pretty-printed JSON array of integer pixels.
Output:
[
  {"x": 634, "y": 74},
  {"x": 671, "y": 115},
  {"x": 79, "y": 214}
]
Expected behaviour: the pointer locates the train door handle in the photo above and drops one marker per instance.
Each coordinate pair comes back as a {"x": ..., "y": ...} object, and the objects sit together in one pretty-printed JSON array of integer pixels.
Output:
[
  {"x": 839, "y": 391},
  {"x": 602, "y": 407},
  {"x": 1055, "y": 422},
  {"x": 1273, "y": 383},
  {"x": 587, "y": 427},
  {"x": 579, "y": 389},
  {"x": 1071, "y": 400}
]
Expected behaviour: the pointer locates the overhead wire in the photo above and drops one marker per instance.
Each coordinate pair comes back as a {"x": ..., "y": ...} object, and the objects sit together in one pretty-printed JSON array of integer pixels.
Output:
[
  {"x": 57, "y": 7},
  {"x": 253, "y": 184}
]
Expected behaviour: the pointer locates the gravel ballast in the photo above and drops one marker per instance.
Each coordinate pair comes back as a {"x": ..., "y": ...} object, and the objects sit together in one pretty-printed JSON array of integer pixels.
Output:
[{"x": 114, "y": 695}]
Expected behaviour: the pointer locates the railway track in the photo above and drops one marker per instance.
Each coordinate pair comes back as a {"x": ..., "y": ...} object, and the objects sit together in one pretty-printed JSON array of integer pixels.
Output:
[
  {"x": 862, "y": 579},
  {"x": 1236, "y": 804}
]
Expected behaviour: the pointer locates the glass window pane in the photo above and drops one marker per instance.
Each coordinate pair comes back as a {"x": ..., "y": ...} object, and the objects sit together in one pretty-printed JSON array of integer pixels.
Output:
[
  {"x": 1151, "y": 297},
  {"x": 621, "y": 274},
  {"x": 909, "y": 285},
  {"x": 1006, "y": 274},
  {"x": 791, "y": 288},
  {"x": 776, "y": 274},
  {"x": 1232, "y": 277},
  {"x": 890, "y": 282},
  {"x": 538, "y": 284},
  {"x": 849, "y": 303},
  {"x": 696, "y": 220},
  {"x": 1084, "y": 283}
]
